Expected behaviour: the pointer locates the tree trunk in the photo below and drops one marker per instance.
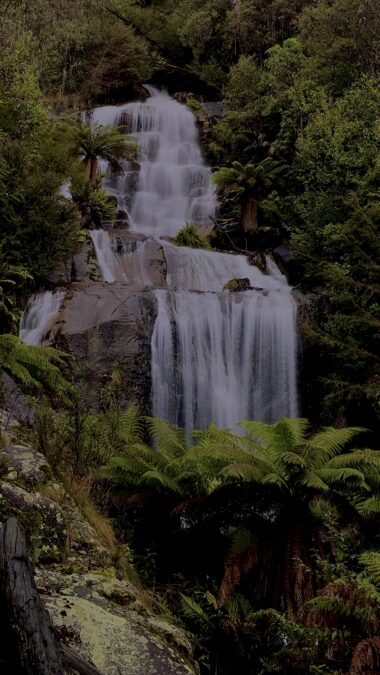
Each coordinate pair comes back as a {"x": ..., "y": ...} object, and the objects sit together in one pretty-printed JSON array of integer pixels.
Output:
[
  {"x": 31, "y": 645},
  {"x": 29, "y": 623},
  {"x": 248, "y": 217}
]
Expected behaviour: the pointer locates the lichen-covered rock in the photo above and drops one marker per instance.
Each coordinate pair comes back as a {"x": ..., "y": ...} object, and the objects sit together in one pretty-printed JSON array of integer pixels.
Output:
[
  {"x": 26, "y": 465},
  {"x": 116, "y": 641},
  {"x": 107, "y": 619},
  {"x": 50, "y": 516},
  {"x": 42, "y": 517}
]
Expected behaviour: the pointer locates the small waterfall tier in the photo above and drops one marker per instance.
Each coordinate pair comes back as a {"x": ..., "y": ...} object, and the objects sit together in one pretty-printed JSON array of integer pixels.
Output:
[
  {"x": 39, "y": 316},
  {"x": 220, "y": 355},
  {"x": 173, "y": 185}
]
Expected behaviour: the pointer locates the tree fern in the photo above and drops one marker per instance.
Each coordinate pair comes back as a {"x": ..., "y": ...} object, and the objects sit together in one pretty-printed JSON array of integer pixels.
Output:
[
  {"x": 99, "y": 142},
  {"x": 169, "y": 439},
  {"x": 371, "y": 562},
  {"x": 160, "y": 480},
  {"x": 369, "y": 506},
  {"x": 34, "y": 365},
  {"x": 131, "y": 425},
  {"x": 193, "y": 610}
]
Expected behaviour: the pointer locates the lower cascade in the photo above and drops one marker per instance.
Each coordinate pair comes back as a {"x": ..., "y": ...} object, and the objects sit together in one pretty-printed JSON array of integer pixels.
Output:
[{"x": 222, "y": 356}]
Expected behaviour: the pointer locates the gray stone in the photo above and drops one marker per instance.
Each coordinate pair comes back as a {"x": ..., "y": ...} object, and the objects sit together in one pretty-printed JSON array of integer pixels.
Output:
[
  {"x": 29, "y": 465},
  {"x": 16, "y": 404},
  {"x": 105, "y": 618},
  {"x": 110, "y": 326}
]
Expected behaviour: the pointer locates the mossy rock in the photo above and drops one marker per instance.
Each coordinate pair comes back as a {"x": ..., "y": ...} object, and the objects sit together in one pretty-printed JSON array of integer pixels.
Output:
[
  {"x": 112, "y": 628},
  {"x": 237, "y": 285}
]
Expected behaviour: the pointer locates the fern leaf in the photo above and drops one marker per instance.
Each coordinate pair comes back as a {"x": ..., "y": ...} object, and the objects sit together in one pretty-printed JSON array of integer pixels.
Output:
[
  {"x": 161, "y": 480},
  {"x": 371, "y": 561},
  {"x": 370, "y": 505},
  {"x": 193, "y": 610}
]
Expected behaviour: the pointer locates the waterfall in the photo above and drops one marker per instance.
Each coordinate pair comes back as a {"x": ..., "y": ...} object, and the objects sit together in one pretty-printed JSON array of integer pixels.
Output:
[
  {"x": 106, "y": 257},
  {"x": 216, "y": 355},
  {"x": 219, "y": 355},
  {"x": 39, "y": 316},
  {"x": 173, "y": 185},
  {"x": 119, "y": 261}
]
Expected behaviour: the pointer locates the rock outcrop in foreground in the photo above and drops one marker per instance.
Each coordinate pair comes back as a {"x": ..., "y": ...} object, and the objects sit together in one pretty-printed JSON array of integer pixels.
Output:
[{"x": 103, "y": 616}]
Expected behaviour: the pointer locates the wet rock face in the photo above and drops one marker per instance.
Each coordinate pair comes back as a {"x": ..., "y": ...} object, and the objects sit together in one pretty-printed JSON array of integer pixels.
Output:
[
  {"x": 110, "y": 325},
  {"x": 106, "y": 327}
]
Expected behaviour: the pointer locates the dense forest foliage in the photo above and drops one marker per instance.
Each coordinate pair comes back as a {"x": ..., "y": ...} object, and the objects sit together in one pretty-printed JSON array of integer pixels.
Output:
[{"x": 269, "y": 562}]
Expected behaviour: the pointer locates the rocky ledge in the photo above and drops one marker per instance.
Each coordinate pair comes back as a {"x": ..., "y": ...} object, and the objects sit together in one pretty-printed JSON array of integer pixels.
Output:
[{"x": 99, "y": 610}]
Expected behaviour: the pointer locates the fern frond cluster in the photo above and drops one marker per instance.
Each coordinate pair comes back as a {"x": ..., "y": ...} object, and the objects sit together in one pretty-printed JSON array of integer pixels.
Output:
[{"x": 33, "y": 365}]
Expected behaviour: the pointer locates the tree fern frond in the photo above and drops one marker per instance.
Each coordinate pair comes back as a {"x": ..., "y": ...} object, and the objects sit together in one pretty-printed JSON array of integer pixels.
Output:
[
  {"x": 344, "y": 475},
  {"x": 330, "y": 441},
  {"x": 291, "y": 459},
  {"x": 244, "y": 472},
  {"x": 193, "y": 610},
  {"x": 357, "y": 458},
  {"x": 371, "y": 561},
  {"x": 288, "y": 435},
  {"x": 312, "y": 480},
  {"x": 124, "y": 469},
  {"x": 168, "y": 438},
  {"x": 162, "y": 481},
  {"x": 239, "y": 609},
  {"x": 131, "y": 425},
  {"x": 35, "y": 365},
  {"x": 275, "y": 479},
  {"x": 212, "y": 601},
  {"x": 369, "y": 506},
  {"x": 150, "y": 456},
  {"x": 258, "y": 431}
]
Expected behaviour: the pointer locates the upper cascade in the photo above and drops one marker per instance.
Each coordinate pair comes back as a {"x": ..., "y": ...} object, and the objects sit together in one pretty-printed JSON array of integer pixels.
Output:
[{"x": 173, "y": 186}]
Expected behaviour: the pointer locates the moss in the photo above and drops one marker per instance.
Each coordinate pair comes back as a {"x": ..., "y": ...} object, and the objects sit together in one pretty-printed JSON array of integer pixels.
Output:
[
  {"x": 235, "y": 285},
  {"x": 189, "y": 235}
]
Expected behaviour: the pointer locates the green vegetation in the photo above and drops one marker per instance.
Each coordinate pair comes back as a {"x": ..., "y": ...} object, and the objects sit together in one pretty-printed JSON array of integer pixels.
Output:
[
  {"x": 37, "y": 366},
  {"x": 247, "y": 185},
  {"x": 96, "y": 143},
  {"x": 190, "y": 235},
  {"x": 237, "y": 285},
  {"x": 263, "y": 545}
]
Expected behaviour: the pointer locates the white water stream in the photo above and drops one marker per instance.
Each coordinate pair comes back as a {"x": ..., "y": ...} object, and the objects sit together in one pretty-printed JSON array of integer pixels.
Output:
[
  {"x": 39, "y": 316},
  {"x": 173, "y": 185},
  {"x": 218, "y": 355}
]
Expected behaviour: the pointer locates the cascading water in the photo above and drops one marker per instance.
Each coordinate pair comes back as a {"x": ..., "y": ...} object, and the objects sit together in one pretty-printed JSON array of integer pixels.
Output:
[
  {"x": 173, "y": 183},
  {"x": 107, "y": 258},
  {"x": 216, "y": 355},
  {"x": 39, "y": 316}
]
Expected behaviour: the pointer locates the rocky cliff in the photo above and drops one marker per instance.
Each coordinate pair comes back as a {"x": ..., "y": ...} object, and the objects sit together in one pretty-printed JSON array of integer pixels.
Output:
[
  {"x": 97, "y": 604},
  {"x": 110, "y": 325}
]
